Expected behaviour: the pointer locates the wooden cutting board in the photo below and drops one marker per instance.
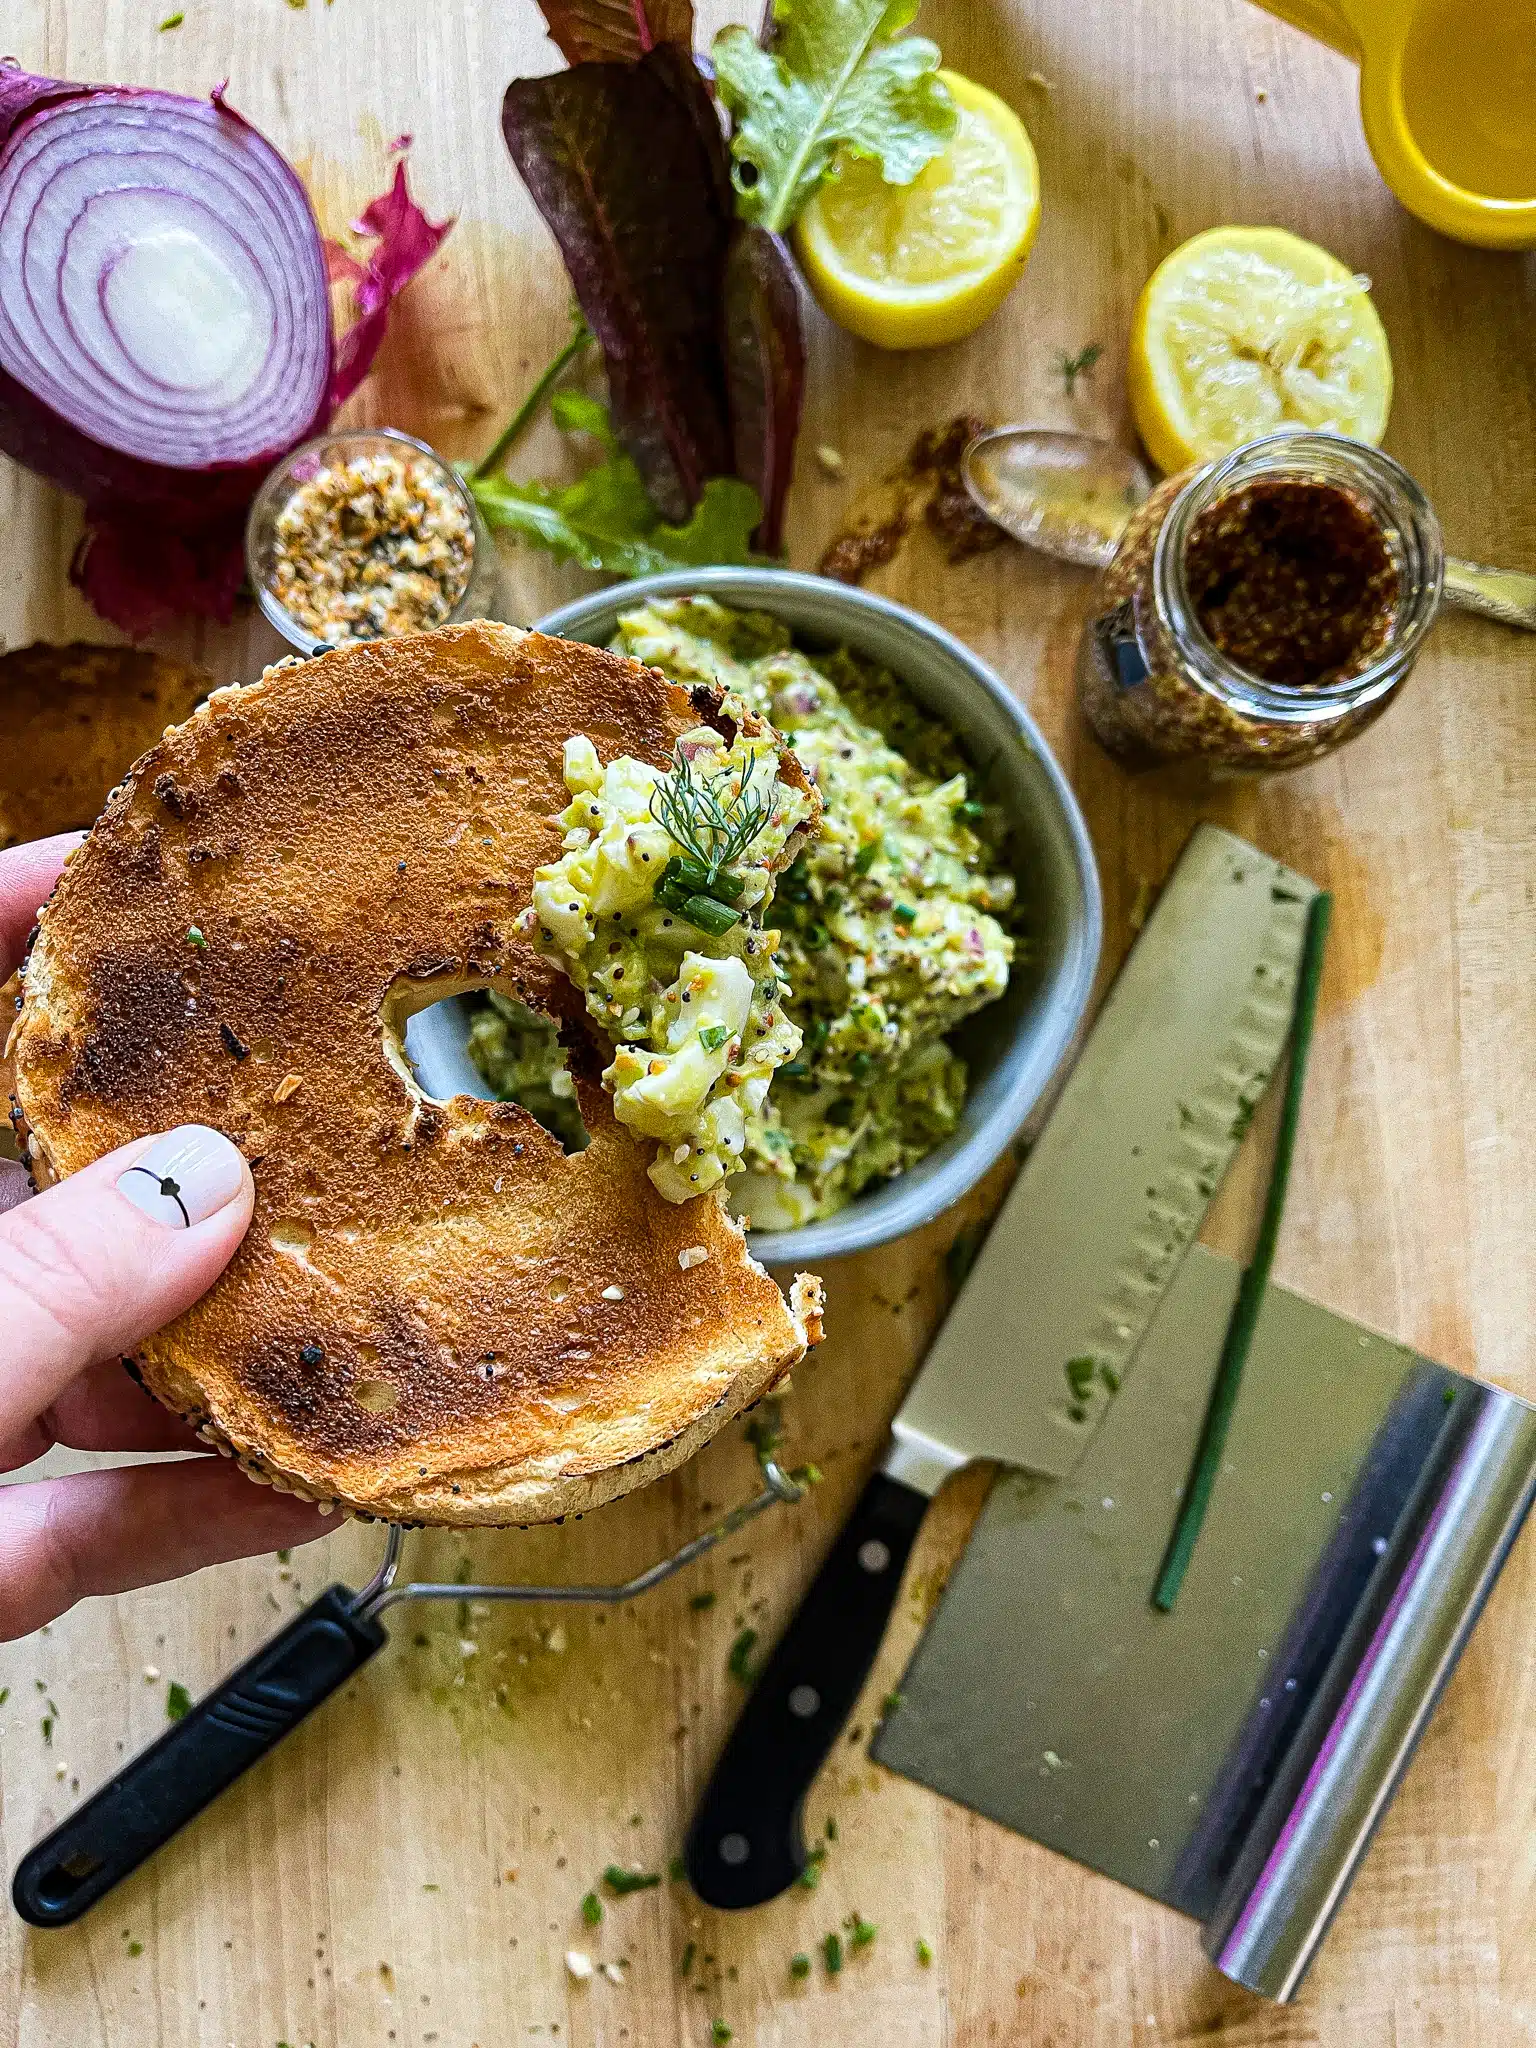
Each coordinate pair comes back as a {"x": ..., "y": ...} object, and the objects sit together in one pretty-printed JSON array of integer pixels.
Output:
[{"x": 409, "y": 1868}]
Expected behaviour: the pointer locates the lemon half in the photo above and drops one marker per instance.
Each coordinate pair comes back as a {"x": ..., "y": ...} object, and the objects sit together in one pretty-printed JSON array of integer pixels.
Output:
[
  {"x": 908, "y": 266},
  {"x": 1243, "y": 331}
]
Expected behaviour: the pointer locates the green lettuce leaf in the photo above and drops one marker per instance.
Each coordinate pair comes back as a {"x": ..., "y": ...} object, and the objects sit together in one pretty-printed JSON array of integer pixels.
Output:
[
  {"x": 839, "y": 76},
  {"x": 605, "y": 521}
]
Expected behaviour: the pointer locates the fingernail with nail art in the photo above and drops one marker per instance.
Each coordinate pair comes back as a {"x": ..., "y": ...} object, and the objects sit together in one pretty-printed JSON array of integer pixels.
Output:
[{"x": 186, "y": 1176}]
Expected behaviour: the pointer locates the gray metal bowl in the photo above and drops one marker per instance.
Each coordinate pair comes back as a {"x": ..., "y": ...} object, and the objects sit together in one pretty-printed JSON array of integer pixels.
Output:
[{"x": 1014, "y": 1045}]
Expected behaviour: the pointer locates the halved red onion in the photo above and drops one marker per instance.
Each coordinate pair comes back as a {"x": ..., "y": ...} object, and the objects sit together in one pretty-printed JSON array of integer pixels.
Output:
[
  {"x": 165, "y": 325},
  {"x": 165, "y": 328},
  {"x": 164, "y": 305}
]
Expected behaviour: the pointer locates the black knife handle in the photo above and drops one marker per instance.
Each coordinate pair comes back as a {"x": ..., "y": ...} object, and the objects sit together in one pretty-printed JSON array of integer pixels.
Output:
[
  {"x": 745, "y": 1844},
  {"x": 165, "y": 1785}
]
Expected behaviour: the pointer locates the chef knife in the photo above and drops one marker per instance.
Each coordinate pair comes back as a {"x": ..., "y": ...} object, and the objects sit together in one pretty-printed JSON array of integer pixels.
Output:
[{"x": 1047, "y": 1326}]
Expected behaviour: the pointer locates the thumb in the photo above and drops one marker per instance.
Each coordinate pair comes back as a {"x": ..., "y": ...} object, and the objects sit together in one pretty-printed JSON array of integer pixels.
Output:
[{"x": 90, "y": 1267}]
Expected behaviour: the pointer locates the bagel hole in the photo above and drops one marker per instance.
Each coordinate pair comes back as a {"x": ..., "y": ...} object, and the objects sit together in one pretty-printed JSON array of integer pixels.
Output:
[
  {"x": 487, "y": 1045},
  {"x": 377, "y": 1396}
]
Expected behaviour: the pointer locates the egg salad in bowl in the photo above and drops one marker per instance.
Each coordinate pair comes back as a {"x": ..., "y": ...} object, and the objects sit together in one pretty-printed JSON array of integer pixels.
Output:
[{"x": 779, "y": 989}]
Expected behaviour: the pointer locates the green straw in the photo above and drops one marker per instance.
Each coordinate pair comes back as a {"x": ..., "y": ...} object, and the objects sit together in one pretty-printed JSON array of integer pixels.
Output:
[
  {"x": 533, "y": 401},
  {"x": 1255, "y": 1280}
]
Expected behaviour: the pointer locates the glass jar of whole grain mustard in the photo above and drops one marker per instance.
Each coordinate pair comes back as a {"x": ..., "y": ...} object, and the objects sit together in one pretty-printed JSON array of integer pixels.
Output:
[{"x": 1261, "y": 610}]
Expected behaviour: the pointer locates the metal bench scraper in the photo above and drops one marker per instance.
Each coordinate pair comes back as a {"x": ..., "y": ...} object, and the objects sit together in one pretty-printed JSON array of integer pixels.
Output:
[{"x": 1233, "y": 1757}]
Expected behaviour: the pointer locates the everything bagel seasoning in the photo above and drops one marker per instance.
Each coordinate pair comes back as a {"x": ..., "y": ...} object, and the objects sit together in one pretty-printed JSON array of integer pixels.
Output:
[{"x": 373, "y": 547}]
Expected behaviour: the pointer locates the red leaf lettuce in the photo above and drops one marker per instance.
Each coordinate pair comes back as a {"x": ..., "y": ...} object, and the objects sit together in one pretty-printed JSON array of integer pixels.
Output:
[{"x": 697, "y": 317}]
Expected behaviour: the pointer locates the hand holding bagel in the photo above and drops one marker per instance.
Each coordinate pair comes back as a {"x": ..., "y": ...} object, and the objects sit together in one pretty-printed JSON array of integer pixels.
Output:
[{"x": 87, "y": 1270}]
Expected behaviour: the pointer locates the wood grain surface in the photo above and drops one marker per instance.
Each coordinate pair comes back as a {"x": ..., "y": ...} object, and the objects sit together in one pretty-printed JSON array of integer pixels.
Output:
[{"x": 409, "y": 1868}]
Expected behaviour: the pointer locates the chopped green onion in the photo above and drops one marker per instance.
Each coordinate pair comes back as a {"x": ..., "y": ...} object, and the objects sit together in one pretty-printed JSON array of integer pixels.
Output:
[
  {"x": 866, "y": 857},
  {"x": 713, "y": 1036},
  {"x": 621, "y": 1882},
  {"x": 904, "y": 914},
  {"x": 699, "y": 879},
  {"x": 969, "y": 813},
  {"x": 862, "y": 1931},
  {"x": 706, "y": 915},
  {"x": 592, "y": 1909},
  {"x": 690, "y": 1950},
  {"x": 800, "y": 1966},
  {"x": 924, "y": 1953},
  {"x": 832, "y": 1950}
]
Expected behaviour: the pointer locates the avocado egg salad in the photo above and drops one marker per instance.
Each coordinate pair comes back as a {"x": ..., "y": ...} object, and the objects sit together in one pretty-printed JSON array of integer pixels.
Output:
[
  {"x": 786, "y": 1026},
  {"x": 654, "y": 912}
]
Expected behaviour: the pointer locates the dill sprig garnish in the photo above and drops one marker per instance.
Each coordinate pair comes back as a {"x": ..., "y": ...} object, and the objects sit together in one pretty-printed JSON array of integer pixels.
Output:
[
  {"x": 1070, "y": 368},
  {"x": 712, "y": 817}
]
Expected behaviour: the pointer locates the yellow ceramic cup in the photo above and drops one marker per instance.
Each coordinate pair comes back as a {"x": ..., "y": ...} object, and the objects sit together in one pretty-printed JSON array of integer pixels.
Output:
[{"x": 1448, "y": 98}]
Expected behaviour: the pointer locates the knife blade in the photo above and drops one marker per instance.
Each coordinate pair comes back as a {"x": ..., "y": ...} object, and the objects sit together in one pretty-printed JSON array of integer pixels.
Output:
[{"x": 1048, "y": 1322}]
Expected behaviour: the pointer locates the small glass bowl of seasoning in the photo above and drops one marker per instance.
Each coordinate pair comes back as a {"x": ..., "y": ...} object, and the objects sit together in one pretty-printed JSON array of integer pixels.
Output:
[
  {"x": 367, "y": 535},
  {"x": 1263, "y": 609}
]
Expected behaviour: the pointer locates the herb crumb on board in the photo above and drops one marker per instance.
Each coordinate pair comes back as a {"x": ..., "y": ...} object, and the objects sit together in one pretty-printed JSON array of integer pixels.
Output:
[
  {"x": 739, "y": 1661},
  {"x": 621, "y": 1882},
  {"x": 1070, "y": 368}
]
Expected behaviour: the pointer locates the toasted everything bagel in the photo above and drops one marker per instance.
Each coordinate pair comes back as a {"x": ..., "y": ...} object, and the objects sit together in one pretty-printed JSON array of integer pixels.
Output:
[{"x": 437, "y": 1315}]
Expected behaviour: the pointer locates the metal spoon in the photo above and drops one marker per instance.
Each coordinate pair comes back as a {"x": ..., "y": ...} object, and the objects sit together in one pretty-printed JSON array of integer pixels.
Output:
[{"x": 1070, "y": 495}]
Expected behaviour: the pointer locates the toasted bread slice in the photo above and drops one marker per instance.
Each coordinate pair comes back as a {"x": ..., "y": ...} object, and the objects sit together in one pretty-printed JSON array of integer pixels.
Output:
[
  {"x": 72, "y": 720},
  {"x": 437, "y": 1314}
]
